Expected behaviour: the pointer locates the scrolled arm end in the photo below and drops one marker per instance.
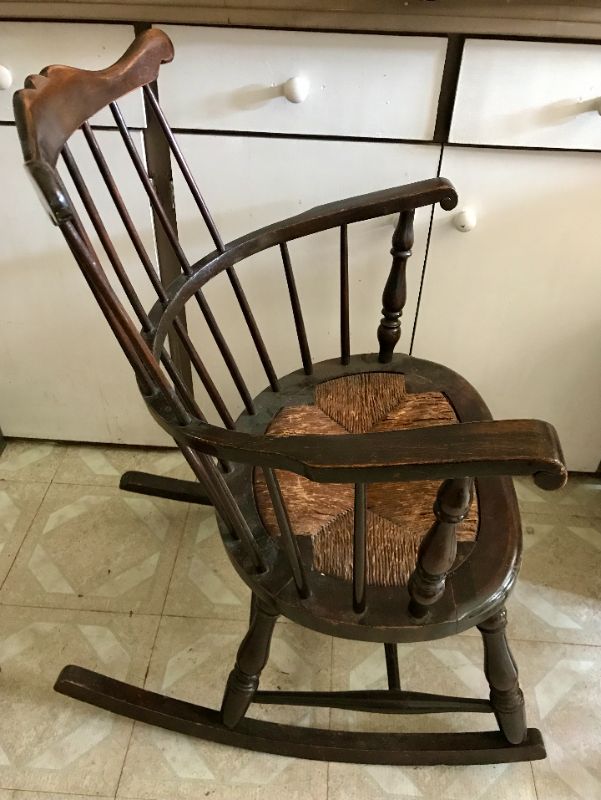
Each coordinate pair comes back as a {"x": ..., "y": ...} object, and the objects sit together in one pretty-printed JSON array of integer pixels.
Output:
[
  {"x": 551, "y": 479},
  {"x": 449, "y": 202}
]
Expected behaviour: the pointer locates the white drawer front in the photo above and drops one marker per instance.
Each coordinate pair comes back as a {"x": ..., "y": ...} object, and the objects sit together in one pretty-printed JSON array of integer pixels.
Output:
[
  {"x": 27, "y": 47},
  {"x": 535, "y": 94},
  {"x": 356, "y": 85}
]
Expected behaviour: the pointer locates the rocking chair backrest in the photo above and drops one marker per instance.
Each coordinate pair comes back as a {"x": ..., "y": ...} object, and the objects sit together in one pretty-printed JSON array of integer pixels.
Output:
[{"x": 61, "y": 100}]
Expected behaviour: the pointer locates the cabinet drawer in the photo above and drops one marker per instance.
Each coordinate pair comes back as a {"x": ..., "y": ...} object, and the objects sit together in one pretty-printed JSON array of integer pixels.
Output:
[
  {"x": 27, "y": 47},
  {"x": 535, "y": 94},
  {"x": 358, "y": 85}
]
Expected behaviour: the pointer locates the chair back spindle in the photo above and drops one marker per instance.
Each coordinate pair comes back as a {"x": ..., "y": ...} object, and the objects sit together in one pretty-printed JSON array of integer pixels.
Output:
[
  {"x": 297, "y": 312},
  {"x": 394, "y": 296},
  {"x": 360, "y": 549},
  {"x": 345, "y": 333}
]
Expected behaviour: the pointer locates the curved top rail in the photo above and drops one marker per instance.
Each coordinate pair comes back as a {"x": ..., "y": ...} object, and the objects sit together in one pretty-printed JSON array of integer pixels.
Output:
[
  {"x": 330, "y": 215},
  {"x": 48, "y": 112}
]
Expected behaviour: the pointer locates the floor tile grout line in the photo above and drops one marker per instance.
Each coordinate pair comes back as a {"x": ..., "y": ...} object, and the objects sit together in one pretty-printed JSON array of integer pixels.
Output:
[
  {"x": 51, "y": 793},
  {"x": 154, "y": 641},
  {"x": 25, "y": 535},
  {"x": 534, "y": 780},
  {"x": 210, "y": 617}
]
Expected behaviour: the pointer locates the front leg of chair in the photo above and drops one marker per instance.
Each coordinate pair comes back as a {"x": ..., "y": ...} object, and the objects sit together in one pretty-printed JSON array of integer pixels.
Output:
[
  {"x": 501, "y": 672},
  {"x": 252, "y": 656}
]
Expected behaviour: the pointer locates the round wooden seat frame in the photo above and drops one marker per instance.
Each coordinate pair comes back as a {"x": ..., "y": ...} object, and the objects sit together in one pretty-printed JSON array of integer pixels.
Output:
[{"x": 452, "y": 586}]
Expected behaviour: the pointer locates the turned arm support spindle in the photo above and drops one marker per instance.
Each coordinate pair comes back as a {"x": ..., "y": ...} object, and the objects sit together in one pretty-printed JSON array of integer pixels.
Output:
[
  {"x": 438, "y": 549},
  {"x": 395, "y": 291}
]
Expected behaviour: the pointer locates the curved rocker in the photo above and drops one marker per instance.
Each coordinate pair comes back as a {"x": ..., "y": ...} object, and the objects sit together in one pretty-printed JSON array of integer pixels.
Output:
[
  {"x": 367, "y": 497},
  {"x": 407, "y": 749}
]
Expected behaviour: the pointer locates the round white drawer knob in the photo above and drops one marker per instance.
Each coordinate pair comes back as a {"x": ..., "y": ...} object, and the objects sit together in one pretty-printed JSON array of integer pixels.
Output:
[
  {"x": 296, "y": 90},
  {"x": 465, "y": 220},
  {"x": 6, "y": 78}
]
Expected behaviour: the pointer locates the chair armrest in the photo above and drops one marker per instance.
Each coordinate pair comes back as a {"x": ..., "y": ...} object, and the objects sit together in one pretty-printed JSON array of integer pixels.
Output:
[
  {"x": 475, "y": 449},
  {"x": 374, "y": 204},
  {"x": 331, "y": 215}
]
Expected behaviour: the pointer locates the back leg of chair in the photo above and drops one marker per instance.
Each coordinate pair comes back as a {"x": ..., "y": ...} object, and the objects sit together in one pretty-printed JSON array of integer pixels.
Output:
[
  {"x": 501, "y": 672},
  {"x": 252, "y": 656}
]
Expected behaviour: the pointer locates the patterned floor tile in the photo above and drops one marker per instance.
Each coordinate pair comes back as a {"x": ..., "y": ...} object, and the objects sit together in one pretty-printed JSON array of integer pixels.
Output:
[
  {"x": 19, "y": 503},
  {"x": 48, "y": 742},
  {"x": 204, "y": 582},
  {"x": 558, "y": 593},
  {"x": 97, "y": 548},
  {"x": 34, "y": 460},
  {"x": 580, "y": 497},
  {"x": 561, "y": 684},
  {"x": 98, "y": 465},
  {"x": 451, "y": 666},
  {"x": 191, "y": 660}
]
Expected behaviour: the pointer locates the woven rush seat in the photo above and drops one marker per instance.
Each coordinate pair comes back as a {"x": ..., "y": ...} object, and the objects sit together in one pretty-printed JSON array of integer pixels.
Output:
[{"x": 398, "y": 514}]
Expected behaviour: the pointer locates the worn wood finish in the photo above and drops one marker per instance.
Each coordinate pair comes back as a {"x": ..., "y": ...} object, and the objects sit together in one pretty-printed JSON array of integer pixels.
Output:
[
  {"x": 500, "y": 668},
  {"x": 359, "y": 550},
  {"x": 438, "y": 549},
  {"x": 460, "y": 585},
  {"x": 392, "y": 666},
  {"x": 48, "y": 115},
  {"x": 252, "y": 657},
  {"x": 365, "y": 748},
  {"x": 161, "y": 486}
]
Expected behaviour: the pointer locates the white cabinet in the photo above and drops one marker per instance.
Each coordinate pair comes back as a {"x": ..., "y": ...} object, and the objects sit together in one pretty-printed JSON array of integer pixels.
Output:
[
  {"x": 529, "y": 94},
  {"x": 249, "y": 182},
  {"x": 514, "y": 305},
  {"x": 353, "y": 84},
  {"x": 62, "y": 373},
  {"x": 28, "y": 47}
]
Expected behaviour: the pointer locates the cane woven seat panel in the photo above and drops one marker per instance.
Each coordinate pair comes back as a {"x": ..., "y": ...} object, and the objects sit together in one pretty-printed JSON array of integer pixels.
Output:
[{"x": 398, "y": 514}]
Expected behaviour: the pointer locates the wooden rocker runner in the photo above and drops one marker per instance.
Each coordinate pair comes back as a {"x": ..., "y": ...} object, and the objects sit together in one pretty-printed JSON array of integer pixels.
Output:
[{"x": 367, "y": 496}]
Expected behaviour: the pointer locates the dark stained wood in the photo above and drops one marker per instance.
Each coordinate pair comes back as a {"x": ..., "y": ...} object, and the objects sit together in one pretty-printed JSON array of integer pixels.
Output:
[
  {"x": 392, "y": 666},
  {"x": 345, "y": 330},
  {"x": 401, "y": 749},
  {"x": 153, "y": 103},
  {"x": 161, "y": 486},
  {"x": 359, "y": 549},
  {"x": 162, "y": 215},
  {"x": 47, "y": 115},
  {"x": 288, "y": 538},
  {"x": 460, "y": 585},
  {"x": 158, "y": 163},
  {"x": 252, "y": 656},
  {"x": 501, "y": 672},
  {"x": 500, "y": 447},
  {"x": 377, "y": 701},
  {"x": 297, "y": 312},
  {"x": 394, "y": 296},
  {"x": 438, "y": 549}
]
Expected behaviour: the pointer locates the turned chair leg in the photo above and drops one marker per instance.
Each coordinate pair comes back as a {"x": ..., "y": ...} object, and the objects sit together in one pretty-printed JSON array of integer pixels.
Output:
[
  {"x": 501, "y": 672},
  {"x": 252, "y": 656}
]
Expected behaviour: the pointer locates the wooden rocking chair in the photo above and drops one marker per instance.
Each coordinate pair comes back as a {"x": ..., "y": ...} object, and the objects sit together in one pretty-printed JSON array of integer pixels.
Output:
[{"x": 324, "y": 486}]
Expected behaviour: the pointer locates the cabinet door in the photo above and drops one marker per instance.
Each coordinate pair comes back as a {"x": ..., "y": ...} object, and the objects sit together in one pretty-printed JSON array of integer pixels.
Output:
[
  {"x": 63, "y": 375},
  {"x": 513, "y": 304},
  {"x": 251, "y": 182}
]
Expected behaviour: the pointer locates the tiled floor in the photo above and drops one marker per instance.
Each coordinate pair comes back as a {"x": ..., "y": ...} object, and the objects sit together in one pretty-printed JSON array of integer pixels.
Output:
[{"x": 140, "y": 588}]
